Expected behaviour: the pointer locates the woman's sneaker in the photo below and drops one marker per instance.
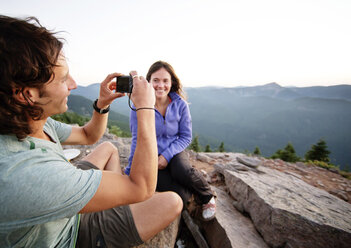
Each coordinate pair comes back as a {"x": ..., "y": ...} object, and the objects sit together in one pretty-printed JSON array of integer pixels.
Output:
[{"x": 209, "y": 210}]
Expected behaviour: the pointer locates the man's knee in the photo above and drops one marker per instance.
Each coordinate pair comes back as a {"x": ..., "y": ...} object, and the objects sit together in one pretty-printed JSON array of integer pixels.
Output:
[
  {"x": 174, "y": 202},
  {"x": 107, "y": 145}
]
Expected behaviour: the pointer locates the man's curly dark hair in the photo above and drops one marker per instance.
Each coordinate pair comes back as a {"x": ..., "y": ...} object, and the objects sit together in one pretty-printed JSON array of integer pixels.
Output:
[{"x": 28, "y": 55}]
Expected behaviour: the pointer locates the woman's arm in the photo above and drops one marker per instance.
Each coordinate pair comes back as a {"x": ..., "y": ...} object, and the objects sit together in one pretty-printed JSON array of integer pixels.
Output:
[
  {"x": 185, "y": 135},
  {"x": 133, "y": 124}
]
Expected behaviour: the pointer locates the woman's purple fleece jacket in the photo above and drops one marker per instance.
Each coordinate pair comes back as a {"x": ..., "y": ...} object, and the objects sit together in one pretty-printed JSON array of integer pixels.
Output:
[{"x": 173, "y": 130}]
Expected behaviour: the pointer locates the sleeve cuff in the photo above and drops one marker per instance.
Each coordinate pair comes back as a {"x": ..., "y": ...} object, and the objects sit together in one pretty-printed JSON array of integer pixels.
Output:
[{"x": 168, "y": 156}]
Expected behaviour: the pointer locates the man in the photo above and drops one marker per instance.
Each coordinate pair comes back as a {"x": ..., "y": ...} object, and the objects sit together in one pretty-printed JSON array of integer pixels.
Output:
[{"x": 41, "y": 193}]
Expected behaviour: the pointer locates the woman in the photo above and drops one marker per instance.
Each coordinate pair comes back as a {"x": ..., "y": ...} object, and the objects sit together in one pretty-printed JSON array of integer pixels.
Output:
[{"x": 173, "y": 130}]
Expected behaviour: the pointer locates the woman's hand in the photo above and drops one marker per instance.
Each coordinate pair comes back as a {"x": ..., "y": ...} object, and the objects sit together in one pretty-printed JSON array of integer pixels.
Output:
[{"x": 162, "y": 162}]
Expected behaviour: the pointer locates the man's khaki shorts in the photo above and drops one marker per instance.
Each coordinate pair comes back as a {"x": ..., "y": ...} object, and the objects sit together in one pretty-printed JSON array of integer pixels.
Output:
[{"x": 113, "y": 227}]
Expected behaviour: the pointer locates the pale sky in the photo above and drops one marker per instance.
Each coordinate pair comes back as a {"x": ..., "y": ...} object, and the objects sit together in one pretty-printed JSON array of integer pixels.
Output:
[{"x": 221, "y": 43}]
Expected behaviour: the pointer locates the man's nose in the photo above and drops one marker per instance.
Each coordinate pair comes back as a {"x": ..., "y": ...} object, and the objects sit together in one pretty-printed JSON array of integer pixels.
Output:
[{"x": 71, "y": 83}]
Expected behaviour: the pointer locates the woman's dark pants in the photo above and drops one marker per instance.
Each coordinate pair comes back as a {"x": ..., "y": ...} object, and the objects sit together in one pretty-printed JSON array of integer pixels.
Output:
[{"x": 179, "y": 176}]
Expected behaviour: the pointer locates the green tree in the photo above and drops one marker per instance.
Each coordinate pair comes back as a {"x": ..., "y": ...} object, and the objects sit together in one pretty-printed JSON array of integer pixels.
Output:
[
  {"x": 288, "y": 154},
  {"x": 116, "y": 131},
  {"x": 257, "y": 151},
  {"x": 318, "y": 152},
  {"x": 221, "y": 147},
  {"x": 71, "y": 118},
  {"x": 195, "y": 146},
  {"x": 208, "y": 148}
]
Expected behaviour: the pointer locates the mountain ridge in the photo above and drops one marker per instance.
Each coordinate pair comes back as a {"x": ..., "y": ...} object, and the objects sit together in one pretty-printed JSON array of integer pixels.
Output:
[{"x": 267, "y": 116}]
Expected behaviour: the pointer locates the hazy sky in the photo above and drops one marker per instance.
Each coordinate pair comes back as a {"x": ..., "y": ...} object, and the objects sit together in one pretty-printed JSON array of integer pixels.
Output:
[{"x": 225, "y": 43}]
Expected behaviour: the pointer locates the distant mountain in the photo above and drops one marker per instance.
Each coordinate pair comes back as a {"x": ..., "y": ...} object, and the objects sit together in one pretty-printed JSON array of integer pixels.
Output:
[
  {"x": 274, "y": 90},
  {"x": 330, "y": 92},
  {"x": 270, "y": 123},
  {"x": 91, "y": 92},
  {"x": 267, "y": 116}
]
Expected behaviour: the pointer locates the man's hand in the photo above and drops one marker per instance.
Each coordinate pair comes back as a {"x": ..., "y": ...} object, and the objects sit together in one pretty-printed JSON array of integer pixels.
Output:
[
  {"x": 107, "y": 91},
  {"x": 162, "y": 162},
  {"x": 91, "y": 132},
  {"x": 143, "y": 94}
]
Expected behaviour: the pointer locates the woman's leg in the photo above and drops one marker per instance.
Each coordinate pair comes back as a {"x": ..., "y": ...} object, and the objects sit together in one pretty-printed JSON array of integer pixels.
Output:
[
  {"x": 183, "y": 173},
  {"x": 166, "y": 183}
]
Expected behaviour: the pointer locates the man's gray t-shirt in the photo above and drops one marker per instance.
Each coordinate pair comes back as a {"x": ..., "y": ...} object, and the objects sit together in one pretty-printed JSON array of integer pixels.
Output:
[{"x": 40, "y": 191}]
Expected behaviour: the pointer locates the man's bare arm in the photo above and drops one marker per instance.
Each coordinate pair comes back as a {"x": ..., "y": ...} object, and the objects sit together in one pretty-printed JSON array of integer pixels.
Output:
[
  {"x": 115, "y": 189},
  {"x": 91, "y": 132}
]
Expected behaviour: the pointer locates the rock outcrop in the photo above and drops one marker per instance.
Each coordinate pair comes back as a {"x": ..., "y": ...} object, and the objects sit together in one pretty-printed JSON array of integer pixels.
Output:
[
  {"x": 231, "y": 228},
  {"x": 264, "y": 203},
  {"x": 285, "y": 210},
  {"x": 288, "y": 212}
]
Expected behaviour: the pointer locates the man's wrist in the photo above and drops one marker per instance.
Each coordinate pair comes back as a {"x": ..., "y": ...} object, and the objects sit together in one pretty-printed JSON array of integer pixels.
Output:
[
  {"x": 100, "y": 110},
  {"x": 147, "y": 108}
]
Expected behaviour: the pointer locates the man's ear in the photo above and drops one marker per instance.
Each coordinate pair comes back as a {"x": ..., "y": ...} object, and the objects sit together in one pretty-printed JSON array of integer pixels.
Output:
[{"x": 27, "y": 95}]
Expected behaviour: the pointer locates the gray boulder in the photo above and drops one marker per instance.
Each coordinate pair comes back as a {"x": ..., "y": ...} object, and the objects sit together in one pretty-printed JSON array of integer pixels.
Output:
[
  {"x": 289, "y": 212},
  {"x": 233, "y": 166},
  {"x": 249, "y": 161},
  {"x": 203, "y": 157},
  {"x": 231, "y": 229}
]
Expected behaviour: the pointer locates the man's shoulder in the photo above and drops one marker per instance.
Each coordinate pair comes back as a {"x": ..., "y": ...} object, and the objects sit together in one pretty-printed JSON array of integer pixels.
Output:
[
  {"x": 29, "y": 150},
  {"x": 10, "y": 144},
  {"x": 52, "y": 124},
  {"x": 15, "y": 154},
  {"x": 58, "y": 130}
]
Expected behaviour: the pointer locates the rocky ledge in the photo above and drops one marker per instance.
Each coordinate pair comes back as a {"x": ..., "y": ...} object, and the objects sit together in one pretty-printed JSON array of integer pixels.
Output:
[{"x": 264, "y": 203}]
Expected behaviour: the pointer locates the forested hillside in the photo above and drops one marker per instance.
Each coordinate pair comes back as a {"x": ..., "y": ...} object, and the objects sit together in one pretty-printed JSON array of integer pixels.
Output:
[
  {"x": 84, "y": 107},
  {"x": 243, "y": 123}
]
